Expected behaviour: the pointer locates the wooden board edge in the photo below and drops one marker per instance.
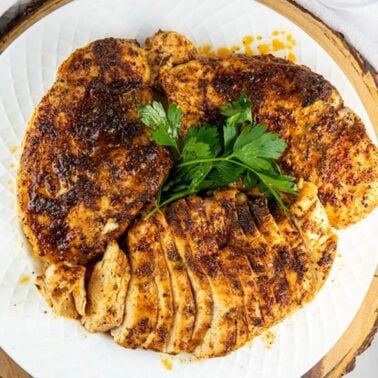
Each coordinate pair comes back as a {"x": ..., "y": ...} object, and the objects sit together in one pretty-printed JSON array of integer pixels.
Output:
[
  {"x": 9, "y": 368},
  {"x": 29, "y": 16},
  {"x": 335, "y": 363},
  {"x": 341, "y": 359}
]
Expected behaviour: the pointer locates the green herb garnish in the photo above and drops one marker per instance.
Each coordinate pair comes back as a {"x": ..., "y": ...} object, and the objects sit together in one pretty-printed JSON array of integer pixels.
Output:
[{"x": 211, "y": 157}]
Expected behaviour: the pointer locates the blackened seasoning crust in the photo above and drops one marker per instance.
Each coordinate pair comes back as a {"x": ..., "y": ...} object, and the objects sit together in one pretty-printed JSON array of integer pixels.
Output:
[
  {"x": 88, "y": 165},
  {"x": 327, "y": 142}
]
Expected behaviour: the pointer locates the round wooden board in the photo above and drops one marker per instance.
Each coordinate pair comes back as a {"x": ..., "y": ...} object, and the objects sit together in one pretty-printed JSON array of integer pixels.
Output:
[{"x": 357, "y": 338}]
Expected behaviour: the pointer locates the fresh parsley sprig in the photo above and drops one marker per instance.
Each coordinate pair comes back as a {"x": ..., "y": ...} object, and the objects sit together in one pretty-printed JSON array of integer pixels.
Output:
[
  {"x": 211, "y": 157},
  {"x": 164, "y": 126}
]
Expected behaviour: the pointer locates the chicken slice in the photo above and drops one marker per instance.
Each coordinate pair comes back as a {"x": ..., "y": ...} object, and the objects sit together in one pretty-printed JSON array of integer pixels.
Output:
[
  {"x": 158, "y": 338},
  {"x": 63, "y": 287},
  {"x": 259, "y": 308},
  {"x": 175, "y": 215},
  {"x": 262, "y": 254},
  {"x": 297, "y": 260},
  {"x": 245, "y": 236},
  {"x": 106, "y": 291},
  {"x": 311, "y": 219},
  {"x": 280, "y": 247},
  {"x": 184, "y": 309},
  {"x": 228, "y": 329},
  {"x": 228, "y": 261},
  {"x": 235, "y": 262},
  {"x": 141, "y": 310}
]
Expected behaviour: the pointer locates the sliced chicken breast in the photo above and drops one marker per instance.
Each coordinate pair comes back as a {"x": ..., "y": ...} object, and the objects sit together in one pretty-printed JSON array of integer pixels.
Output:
[
  {"x": 142, "y": 302},
  {"x": 176, "y": 216},
  {"x": 106, "y": 291},
  {"x": 311, "y": 220},
  {"x": 228, "y": 328},
  {"x": 158, "y": 338},
  {"x": 235, "y": 262},
  {"x": 297, "y": 260},
  {"x": 270, "y": 231},
  {"x": 245, "y": 236},
  {"x": 63, "y": 287},
  {"x": 184, "y": 309}
]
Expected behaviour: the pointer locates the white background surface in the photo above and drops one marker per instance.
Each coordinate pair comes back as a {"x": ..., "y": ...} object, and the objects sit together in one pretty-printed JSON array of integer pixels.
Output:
[{"x": 50, "y": 346}]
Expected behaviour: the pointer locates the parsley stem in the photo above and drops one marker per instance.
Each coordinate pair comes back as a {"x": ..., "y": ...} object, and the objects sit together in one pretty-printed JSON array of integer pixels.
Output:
[
  {"x": 209, "y": 160},
  {"x": 260, "y": 175},
  {"x": 173, "y": 198}
]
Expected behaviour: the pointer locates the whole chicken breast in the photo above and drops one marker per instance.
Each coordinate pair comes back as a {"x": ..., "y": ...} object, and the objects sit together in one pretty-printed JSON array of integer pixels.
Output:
[
  {"x": 88, "y": 165},
  {"x": 327, "y": 142}
]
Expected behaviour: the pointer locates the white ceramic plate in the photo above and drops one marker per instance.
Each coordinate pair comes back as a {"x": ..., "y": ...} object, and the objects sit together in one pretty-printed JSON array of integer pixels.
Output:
[{"x": 48, "y": 346}]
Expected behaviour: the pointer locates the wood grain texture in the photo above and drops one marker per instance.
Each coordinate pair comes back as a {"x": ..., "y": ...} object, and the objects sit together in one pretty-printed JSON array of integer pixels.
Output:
[
  {"x": 9, "y": 369},
  {"x": 341, "y": 358},
  {"x": 28, "y": 16}
]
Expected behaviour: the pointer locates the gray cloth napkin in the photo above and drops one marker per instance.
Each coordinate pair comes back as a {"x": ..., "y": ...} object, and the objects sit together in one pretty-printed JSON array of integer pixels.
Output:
[{"x": 356, "y": 19}]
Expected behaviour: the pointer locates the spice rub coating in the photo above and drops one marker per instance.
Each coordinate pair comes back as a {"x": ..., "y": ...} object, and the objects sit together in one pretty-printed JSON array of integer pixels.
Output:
[
  {"x": 88, "y": 164},
  {"x": 327, "y": 143}
]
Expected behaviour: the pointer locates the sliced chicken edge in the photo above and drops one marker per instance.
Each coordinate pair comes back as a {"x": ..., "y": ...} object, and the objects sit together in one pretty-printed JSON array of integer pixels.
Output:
[
  {"x": 222, "y": 336},
  {"x": 106, "y": 291},
  {"x": 245, "y": 237},
  {"x": 236, "y": 268},
  {"x": 158, "y": 338},
  {"x": 284, "y": 254},
  {"x": 224, "y": 201},
  {"x": 264, "y": 260},
  {"x": 63, "y": 287},
  {"x": 199, "y": 281},
  {"x": 298, "y": 262},
  {"x": 311, "y": 220},
  {"x": 184, "y": 309},
  {"x": 141, "y": 308}
]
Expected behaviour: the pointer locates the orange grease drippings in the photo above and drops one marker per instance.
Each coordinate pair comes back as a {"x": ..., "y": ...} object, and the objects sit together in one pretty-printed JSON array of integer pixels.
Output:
[
  {"x": 247, "y": 41},
  {"x": 167, "y": 363},
  {"x": 263, "y": 48},
  {"x": 277, "y": 45},
  {"x": 223, "y": 51},
  {"x": 280, "y": 41},
  {"x": 24, "y": 279},
  {"x": 291, "y": 57},
  {"x": 205, "y": 49}
]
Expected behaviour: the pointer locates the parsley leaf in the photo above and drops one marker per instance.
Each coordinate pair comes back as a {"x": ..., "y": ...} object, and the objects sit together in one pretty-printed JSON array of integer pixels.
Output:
[
  {"x": 237, "y": 111},
  {"x": 248, "y": 134},
  {"x": 268, "y": 146},
  {"x": 230, "y": 133},
  {"x": 193, "y": 150},
  {"x": 207, "y": 160},
  {"x": 222, "y": 174},
  {"x": 207, "y": 134},
  {"x": 250, "y": 180},
  {"x": 165, "y": 126}
]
